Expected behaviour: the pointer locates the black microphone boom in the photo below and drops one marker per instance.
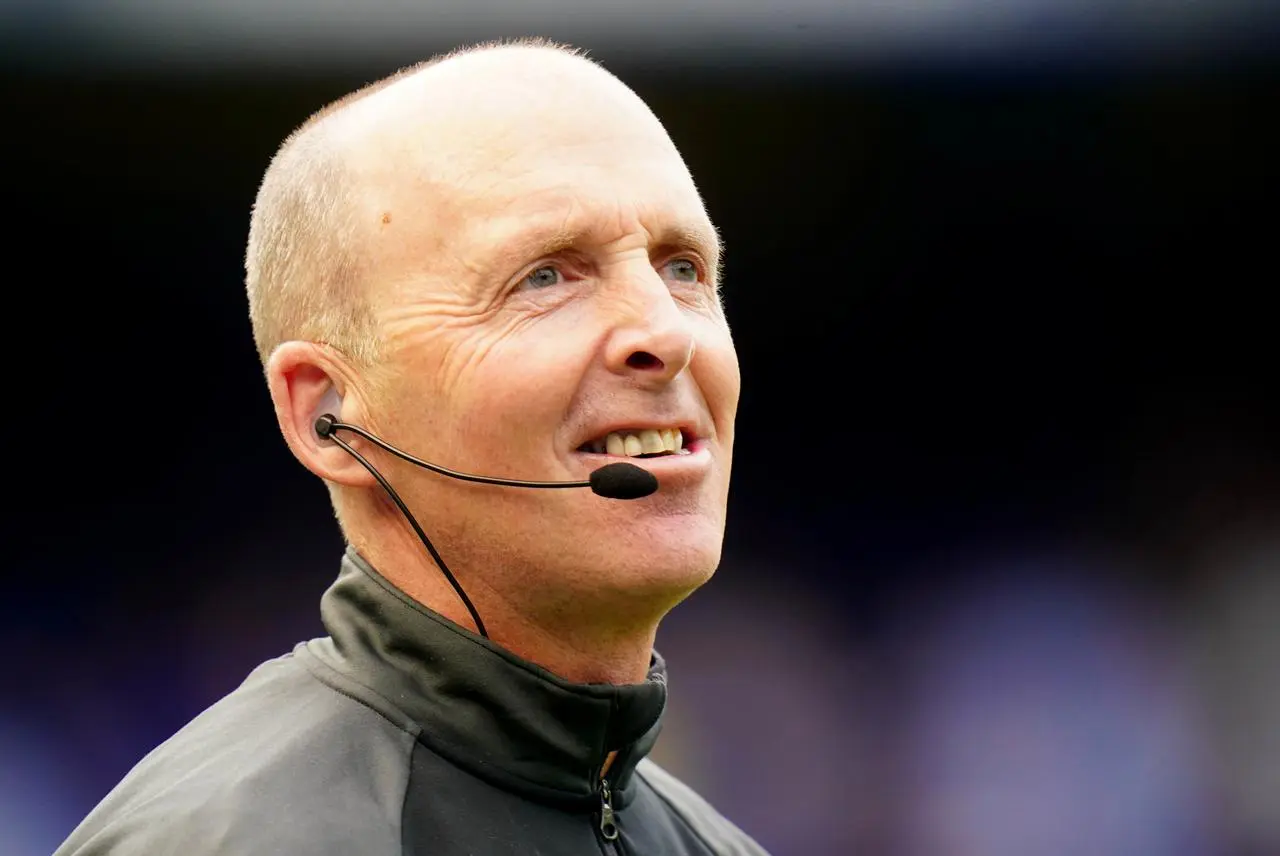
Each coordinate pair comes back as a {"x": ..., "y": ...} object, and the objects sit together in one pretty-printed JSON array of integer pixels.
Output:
[{"x": 618, "y": 480}]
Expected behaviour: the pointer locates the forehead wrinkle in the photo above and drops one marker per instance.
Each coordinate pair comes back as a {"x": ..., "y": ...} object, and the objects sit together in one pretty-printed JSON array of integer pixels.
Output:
[{"x": 536, "y": 240}]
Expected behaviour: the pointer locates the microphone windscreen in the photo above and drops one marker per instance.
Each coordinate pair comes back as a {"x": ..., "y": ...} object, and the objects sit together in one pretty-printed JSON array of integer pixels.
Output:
[{"x": 623, "y": 481}]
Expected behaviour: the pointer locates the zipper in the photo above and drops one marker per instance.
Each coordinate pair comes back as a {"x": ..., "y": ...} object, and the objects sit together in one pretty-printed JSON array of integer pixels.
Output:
[{"x": 608, "y": 825}]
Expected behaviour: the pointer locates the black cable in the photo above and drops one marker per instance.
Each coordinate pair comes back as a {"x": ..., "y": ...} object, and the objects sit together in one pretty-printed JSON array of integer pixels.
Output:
[
  {"x": 436, "y": 468},
  {"x": 619, "y": 480},
  {"x": 404, "y": 509}
]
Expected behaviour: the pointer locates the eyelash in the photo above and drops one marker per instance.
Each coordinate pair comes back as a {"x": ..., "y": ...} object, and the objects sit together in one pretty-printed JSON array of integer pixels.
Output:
[{"x": 560, "y": 267}]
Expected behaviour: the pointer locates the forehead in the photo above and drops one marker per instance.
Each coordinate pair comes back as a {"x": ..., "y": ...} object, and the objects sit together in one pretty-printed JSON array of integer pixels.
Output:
[
  {"x": 513, "y": 189},
  {"x": 490, "y": 156},
  {"x": 582, "y": 194}
]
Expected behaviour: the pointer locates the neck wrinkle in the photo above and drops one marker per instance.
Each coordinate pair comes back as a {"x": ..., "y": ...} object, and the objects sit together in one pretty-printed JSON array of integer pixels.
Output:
[
  {"x": 596, "y": 653},
  {"x": 586, "y": 658}
]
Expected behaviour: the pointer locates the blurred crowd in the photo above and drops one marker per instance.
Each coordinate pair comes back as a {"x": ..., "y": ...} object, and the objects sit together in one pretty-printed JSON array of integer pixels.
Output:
[{"x": 1055, "y": 697}]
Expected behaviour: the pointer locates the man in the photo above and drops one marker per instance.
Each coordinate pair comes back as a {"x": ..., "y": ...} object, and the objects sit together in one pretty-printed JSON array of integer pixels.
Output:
[{"x": 497, "y": 261}]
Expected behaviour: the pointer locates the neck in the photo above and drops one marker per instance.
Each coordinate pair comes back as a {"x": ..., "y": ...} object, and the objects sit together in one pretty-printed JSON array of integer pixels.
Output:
[{"x": 569, "y": 644}]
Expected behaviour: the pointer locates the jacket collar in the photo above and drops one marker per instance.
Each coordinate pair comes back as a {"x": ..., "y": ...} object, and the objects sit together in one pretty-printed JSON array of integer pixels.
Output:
[{"x": 501, "y": 717}]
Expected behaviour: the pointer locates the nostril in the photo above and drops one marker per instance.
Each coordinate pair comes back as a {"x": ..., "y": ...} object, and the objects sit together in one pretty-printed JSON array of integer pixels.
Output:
[{"x": 643, "y": 360}]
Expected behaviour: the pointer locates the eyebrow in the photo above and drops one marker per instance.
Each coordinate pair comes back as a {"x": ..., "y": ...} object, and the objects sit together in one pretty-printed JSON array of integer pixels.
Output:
[{"x": 703, "y": 238}]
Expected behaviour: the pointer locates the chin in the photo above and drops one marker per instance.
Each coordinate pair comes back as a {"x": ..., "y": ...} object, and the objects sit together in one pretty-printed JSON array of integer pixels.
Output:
[
  {"x": 634, "y": 569},
  {"x": 662, "y": 572}
]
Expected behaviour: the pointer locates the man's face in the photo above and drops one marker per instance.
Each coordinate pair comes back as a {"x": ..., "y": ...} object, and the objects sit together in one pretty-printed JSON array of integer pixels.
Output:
[{"x": 545, "y": 278}]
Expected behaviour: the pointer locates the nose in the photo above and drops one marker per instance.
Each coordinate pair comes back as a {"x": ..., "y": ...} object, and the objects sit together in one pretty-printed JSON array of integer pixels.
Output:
[{"x": 653, "y": 341}]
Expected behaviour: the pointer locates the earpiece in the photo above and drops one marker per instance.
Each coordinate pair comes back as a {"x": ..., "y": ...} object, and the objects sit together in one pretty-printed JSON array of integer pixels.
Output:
[{"x": 327, "y": 412}]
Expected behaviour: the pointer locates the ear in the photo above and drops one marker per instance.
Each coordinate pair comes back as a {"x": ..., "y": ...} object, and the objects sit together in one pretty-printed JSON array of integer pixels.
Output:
[{"x": 306, "y": 381}]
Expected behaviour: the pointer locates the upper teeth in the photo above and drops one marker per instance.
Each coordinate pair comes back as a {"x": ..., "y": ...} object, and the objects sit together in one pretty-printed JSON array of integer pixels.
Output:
[{"x": 647, "y": 441}]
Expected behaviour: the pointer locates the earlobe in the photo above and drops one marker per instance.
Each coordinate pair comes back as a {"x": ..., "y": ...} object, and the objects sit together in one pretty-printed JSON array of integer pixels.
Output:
[{"x": 306, "y": 383}]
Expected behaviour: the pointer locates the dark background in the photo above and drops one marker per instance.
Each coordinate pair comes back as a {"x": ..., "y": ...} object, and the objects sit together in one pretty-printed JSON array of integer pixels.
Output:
[{"x": 1000, "y": 573}]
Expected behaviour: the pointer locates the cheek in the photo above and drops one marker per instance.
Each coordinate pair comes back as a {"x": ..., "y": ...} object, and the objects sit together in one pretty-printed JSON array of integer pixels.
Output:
[
  {"x": 519, "y": 392},
  {"x": 719, "y": 377},
  {"x": 465, "y": 396}
]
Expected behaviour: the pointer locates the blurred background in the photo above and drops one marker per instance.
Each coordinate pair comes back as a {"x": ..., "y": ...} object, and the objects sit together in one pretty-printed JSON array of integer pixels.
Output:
[{"x": 1002, "y": 573}]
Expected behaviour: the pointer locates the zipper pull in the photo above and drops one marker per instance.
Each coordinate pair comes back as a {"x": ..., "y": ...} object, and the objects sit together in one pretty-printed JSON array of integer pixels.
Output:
[{"x": 608, "y": 827}]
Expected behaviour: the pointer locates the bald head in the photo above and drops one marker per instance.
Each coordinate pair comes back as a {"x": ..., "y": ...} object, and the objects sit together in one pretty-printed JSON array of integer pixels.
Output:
[
  {"x": 316, "y": 233},
  {"x": 513, "y": 260}
]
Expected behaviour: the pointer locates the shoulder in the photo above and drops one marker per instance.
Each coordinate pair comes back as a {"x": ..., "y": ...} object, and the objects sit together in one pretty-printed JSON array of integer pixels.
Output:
[
  {"x": 716, "y": 831},
  {"x": 285, "y": 763}
]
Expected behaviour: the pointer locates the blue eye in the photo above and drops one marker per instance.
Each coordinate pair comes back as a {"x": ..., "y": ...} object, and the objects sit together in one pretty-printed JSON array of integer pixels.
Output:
[
  {"x": 682, "y": 270},
  {"x": 544, "y": 277}
]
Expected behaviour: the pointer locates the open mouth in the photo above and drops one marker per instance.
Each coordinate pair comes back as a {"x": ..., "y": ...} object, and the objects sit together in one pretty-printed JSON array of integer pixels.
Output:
[{"x": 640, "y": 443}]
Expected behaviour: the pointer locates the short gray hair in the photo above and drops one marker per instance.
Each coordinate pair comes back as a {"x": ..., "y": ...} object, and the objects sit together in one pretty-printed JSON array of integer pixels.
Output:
[{"x": 304, "y": 272}]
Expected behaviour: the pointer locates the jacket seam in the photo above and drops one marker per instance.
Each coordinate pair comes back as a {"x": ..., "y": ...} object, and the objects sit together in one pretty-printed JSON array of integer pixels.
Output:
[
  {"x": 404, "y": 800},
  {"x": 675, "y": 811},
  {"x": 311, "y": 663}
]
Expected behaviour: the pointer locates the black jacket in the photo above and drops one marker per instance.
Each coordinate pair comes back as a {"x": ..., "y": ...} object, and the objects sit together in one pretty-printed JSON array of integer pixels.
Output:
[{"x": 402, "y": 733}]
